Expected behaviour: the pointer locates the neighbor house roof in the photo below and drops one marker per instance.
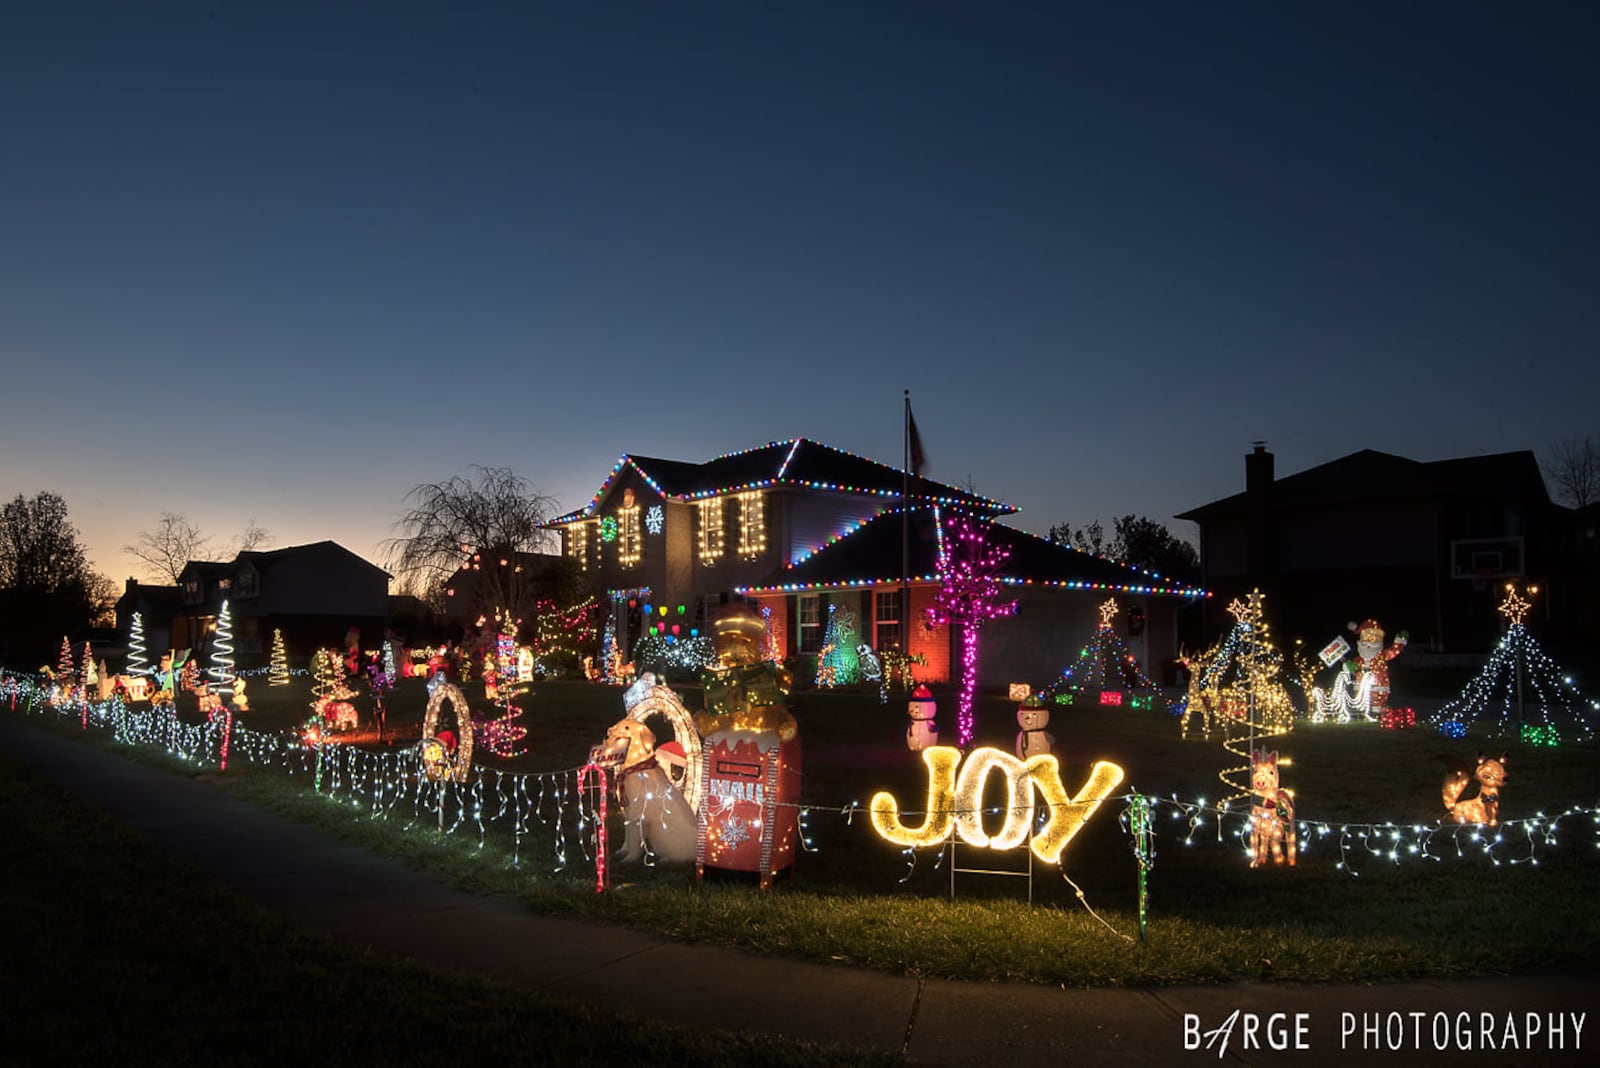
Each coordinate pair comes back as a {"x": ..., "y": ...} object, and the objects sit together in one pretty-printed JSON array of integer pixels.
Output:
[
  {"x": 869, "y": 553},
  {"x": 1370, "y": 475},
  {"x": 799, "y": 462},
  {"x": 262, "y": 559}
]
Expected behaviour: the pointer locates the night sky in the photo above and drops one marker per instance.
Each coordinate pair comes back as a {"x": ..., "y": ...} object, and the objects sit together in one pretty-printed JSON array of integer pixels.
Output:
[{"x": 283, "y": 262}]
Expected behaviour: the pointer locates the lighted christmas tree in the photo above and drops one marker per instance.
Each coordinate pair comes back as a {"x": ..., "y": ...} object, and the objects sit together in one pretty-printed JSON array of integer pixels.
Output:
[
  {"x": 1245, "y": 679},
  {"x": 327, "y": 676},
  {"x": 137, "y": 665},
  {"x": 838, "y": 663},
  {"x": 969, "y": 596},
  {"x": 1104, "y": 672},
  {"x": 563, "y": 634},
  {"x": 278, "y": 666},
  {"x": 89, "y": 675},
  {"x": 221, "y": 669},
  {"x": 1521, "y": 692}
]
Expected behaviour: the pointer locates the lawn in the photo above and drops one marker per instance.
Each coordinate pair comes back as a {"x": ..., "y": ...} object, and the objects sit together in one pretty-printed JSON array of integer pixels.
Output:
[
  {"x": 860, "y": 900},
  {"x": 133, "y": 956}
]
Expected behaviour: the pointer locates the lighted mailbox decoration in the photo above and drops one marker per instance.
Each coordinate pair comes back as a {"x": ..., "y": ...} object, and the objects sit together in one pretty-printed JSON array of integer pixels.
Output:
[{"x": 749, "y": 814}]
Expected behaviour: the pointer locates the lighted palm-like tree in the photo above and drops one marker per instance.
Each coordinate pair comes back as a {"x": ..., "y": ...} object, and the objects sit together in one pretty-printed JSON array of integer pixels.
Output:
[{"x": 969, "y": 596}]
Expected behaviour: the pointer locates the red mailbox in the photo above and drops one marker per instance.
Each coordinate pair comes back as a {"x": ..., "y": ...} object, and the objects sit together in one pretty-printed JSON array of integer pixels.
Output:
[{"x": 749, "y": 814}]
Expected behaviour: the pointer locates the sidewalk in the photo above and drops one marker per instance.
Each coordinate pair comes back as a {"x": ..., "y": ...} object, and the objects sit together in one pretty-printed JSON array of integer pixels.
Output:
[{"x": 354, "y": 895}]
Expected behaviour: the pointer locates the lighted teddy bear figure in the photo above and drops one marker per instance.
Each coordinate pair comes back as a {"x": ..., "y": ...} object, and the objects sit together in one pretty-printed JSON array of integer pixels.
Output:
[
  {"x": 1373, "y": 660},
  {"x": 1033, "y": 717},
  {"x": 1271, "y": 811},
  {"x": 923, "y": 731}
]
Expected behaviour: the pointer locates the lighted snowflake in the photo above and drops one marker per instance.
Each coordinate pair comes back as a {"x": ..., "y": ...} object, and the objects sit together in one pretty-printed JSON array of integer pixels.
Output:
[
  {"x": 734, "y": 831},
  {"x": 654, "y": 519}
]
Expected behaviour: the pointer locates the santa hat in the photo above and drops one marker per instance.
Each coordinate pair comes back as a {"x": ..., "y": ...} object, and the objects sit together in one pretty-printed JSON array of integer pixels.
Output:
[
  {"x": 671, "y": 755},
  {"x": 1368, "y": 625}
]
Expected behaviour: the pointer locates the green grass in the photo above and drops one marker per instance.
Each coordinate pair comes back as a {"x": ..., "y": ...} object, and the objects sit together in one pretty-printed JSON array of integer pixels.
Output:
[
  {"x": 1212, "y": 918},
  {"x": 133, "y": 956}
]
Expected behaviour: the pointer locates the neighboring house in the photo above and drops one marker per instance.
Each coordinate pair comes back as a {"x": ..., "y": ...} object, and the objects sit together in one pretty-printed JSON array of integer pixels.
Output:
[
  {"x": 313, "y": 593},
  {"x": 1424, "y": 547},
  {"x": 796, "y": 525},
  {"x": 538, "y": 576}
]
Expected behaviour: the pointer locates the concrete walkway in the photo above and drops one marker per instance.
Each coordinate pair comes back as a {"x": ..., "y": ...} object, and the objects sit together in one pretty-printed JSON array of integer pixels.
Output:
[{"x": 351, "y": 894}]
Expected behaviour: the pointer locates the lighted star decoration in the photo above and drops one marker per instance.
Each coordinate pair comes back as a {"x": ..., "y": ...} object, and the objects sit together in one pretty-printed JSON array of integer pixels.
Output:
[
  {"x": 1108, "y": 610},
  {"x": 1515, "y": 606},
  {"x": 654, "y": 519},
  {"x": 1247, "y": 610}
]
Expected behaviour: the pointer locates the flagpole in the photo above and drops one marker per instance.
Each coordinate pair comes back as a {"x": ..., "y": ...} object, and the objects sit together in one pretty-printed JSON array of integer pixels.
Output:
[{"x": 905, "y": 535}]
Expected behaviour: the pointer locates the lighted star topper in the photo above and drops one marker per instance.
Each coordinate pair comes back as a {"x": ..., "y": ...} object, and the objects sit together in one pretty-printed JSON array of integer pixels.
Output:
[
  {"x": 1248, "y": 610},
  {"x": 1515, "y": 606},
  {"x": 1108, "y": 610}
]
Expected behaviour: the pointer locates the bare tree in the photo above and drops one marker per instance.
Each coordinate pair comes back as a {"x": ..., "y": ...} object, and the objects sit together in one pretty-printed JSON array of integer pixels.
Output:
[
  {"x": 166, "y": 549},
  {"x": 478, "y": 526},
  {"x": 253, "y": 537},
  {"x": 1574, "y": 467}
]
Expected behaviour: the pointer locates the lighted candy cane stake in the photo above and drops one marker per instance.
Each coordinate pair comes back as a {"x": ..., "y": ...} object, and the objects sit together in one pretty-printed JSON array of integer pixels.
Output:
[{"x": 602, "y": 874}]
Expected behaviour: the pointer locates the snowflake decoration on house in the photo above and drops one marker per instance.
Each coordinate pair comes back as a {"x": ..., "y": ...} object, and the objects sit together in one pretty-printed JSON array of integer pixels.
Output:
[
  {"x": 655, "y": 519},
  {"x": 734, "y": 831}
]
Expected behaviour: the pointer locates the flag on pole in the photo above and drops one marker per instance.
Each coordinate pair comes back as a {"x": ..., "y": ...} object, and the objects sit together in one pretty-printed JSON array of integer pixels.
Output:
[{"x": 919, "y": 459}]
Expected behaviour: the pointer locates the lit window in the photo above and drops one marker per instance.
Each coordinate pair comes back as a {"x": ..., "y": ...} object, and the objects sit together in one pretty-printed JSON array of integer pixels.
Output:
[
  {"x": 630, "y": 542},
  {"x": 752, "y": 524},
  {"x": 810, "y": 623},
  {"x": 710, "y": 540},
  {"x": 578, "y": 544},
  {"x": 886, "y": 620}
]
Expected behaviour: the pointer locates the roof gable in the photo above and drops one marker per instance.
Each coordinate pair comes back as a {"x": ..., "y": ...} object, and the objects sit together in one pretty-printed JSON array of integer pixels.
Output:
[
  {"x": 869, "y": 554},
  {"x": 799, "y": 462}
]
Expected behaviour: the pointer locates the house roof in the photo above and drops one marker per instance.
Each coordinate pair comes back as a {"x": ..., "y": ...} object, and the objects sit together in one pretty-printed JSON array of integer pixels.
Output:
[
  {"x": 208, "y": 568},
  {"x": 1370, "y": 475},
  {"x": 799, "y": 462},
  {"x": 868, "y": 554},
  {"x": 262, "y": 559}
]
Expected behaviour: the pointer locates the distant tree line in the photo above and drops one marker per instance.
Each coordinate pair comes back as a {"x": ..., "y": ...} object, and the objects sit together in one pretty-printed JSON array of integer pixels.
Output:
[
  {"x": 47, "y": 589},
  {"x": 1137, "y": 541}
]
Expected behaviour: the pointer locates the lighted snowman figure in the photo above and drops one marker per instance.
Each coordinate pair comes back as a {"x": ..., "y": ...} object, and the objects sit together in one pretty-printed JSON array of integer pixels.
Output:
[
  {"x": 923, "y": 731},
  {"x": 1032, "y": 716}
]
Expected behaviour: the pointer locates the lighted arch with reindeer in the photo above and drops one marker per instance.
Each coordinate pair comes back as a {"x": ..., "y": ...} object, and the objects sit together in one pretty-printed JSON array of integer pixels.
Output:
[
  {"x": 666, "y": 704},
  {"x": 436, "y": 759}
]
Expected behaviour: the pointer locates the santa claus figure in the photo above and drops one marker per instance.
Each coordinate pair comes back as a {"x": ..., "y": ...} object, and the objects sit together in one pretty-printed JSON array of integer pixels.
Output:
[{"x": 1373, "y": 659}]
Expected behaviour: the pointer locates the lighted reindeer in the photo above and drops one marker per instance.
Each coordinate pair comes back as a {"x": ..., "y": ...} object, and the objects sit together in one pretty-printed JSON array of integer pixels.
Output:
[
  {"x": 1271, "y": 811},
  {"x": 1483, "y": 806},
  {"x": 1203, "y": 700}
]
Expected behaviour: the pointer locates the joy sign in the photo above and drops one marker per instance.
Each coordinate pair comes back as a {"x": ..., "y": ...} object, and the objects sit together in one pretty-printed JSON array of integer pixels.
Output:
[{"x": 955, "y": 802}]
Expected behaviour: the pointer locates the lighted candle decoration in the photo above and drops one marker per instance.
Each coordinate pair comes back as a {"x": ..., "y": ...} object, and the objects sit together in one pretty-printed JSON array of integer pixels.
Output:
[
  {"x": 1104, "y": 671},
  {"x": 1520, "y": 687},
  {"x": 968, "y": 597}
]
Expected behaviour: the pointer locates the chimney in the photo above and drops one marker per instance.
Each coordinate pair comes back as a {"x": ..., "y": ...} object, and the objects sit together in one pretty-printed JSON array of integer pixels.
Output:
[
  {"x": 1258, "y": 476},
  {"x": 1258, "y": 471}
]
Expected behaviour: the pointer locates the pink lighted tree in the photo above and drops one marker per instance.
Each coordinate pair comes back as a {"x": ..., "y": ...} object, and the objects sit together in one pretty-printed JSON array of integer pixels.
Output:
[{"x": 969, "y": 595}]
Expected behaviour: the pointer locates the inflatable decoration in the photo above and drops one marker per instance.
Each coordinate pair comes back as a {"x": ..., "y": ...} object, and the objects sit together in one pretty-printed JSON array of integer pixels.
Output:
[
  {"x": 658, "y": 818},
  {"x": 749, "y": 817}
]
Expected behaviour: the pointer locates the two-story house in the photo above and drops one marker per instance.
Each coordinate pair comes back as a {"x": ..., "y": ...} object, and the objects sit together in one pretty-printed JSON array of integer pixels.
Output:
[
  {"x": 797, "y": 526},
  {"x": 1420, "y": 546}
]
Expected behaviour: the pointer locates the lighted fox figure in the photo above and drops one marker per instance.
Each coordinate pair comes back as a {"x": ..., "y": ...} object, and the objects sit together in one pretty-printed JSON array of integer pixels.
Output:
[
  {"x": 1271, "y": 811},
  {"x": 1484, "y": 806}
]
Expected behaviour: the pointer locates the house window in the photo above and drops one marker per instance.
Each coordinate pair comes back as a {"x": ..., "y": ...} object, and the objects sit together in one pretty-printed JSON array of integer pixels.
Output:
[
  {"x": 752, "y": 524},
  {"x": 630, "y": 543},
  {"x": 224, "y": 585},
  {"x": 711, "y": 540},
  {"x": 191, "y": 591},
  {"x": 578, "y": 544},
  {"x": 810, "y": 623},
  {"x": 886, "y": 619},
  {"x": 247, "y": 585}
]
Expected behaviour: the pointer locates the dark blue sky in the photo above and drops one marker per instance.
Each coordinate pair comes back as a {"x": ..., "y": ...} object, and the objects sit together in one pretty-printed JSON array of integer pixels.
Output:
[{"x": 286, "y": 262}]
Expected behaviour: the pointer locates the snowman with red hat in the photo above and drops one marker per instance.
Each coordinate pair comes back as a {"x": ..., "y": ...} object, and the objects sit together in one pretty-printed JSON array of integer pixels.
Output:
[{"x": 1372, "y": 658}]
